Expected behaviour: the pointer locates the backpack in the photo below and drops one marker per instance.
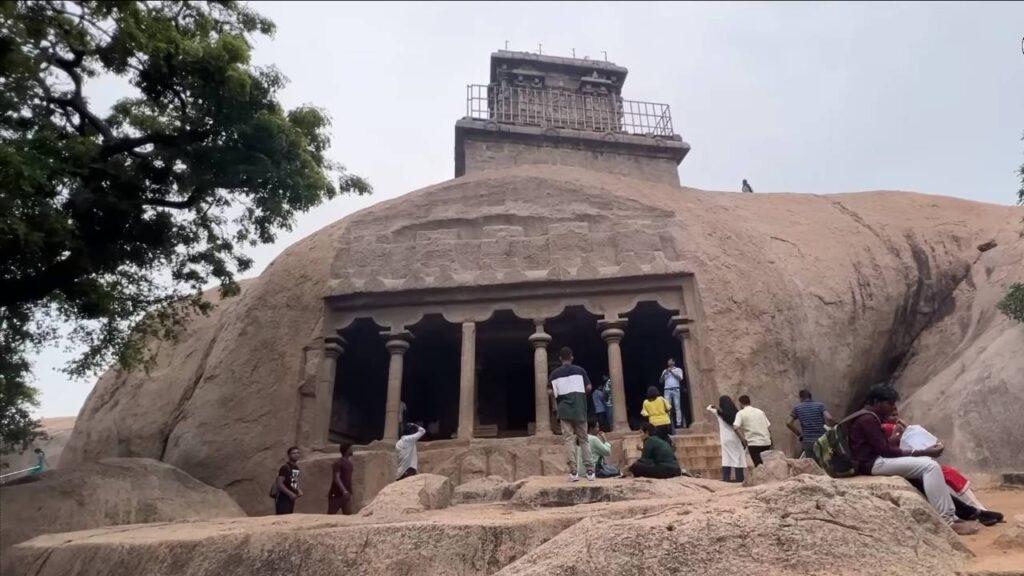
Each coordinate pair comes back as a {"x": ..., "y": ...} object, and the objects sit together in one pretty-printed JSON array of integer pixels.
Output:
[
  {"x": 273, "y": 489},
  {"x": 832, "y": 450}
]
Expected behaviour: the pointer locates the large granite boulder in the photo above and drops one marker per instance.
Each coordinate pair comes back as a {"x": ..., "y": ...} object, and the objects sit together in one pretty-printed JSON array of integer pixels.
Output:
[
  {"x": 486, "y": 489},
  {"x": 410, "y": 496},
  {"x": 827, "y": 292},
  {"x": 777, "y": 467},
  {"x": 804, "y": 525},
  {"x": 110, "y": 492}
]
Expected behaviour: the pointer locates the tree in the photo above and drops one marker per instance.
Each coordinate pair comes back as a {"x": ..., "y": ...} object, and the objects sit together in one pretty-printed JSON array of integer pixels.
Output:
[
  {"x": 112, "y": 222},
  {"x": 1013, "y": 303}
]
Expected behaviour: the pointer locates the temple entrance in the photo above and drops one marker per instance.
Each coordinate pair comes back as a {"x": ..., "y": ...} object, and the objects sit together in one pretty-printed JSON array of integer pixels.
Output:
[
  {"x": 577, "y": 328},
  {"x": 430, "y": 381},
  {"x": 504, "y": 376},
  {"x": 357, "y": 411},
  {"x": 646, "y": 348}
]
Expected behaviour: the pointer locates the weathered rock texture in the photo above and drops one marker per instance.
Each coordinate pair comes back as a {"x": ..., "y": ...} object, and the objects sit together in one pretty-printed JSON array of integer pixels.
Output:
[
  {"x": 417, "y": 493},
  {"x": 777, "y": 529},
  {"x": 777, "y": 467},
  {"x": 830, "y": 293},
  {"x": 110, "y": 492},
  {"x": 487, "y": 489}
]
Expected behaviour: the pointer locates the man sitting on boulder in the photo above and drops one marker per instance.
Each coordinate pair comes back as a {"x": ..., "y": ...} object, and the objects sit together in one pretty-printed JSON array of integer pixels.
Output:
[
  {"x": 408, "y": 458},
  {"x": 657, "y": 459},
  {"x": 875, "y": 456},
  {"x": 600, "y": 449}
]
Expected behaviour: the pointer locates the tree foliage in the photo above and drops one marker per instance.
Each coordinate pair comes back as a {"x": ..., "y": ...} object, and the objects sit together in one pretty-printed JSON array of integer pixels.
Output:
[
  {"x": 112, "y": 221},
  {"x": 1013, "y": 303}
]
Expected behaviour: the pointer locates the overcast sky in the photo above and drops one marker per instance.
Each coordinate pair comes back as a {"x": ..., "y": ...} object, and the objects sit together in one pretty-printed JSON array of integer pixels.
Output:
[{"x": 801, "y": 97}]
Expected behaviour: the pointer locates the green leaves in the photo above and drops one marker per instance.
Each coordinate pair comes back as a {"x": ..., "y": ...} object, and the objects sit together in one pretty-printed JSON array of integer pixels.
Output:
[{"x": 115, "y": 221}]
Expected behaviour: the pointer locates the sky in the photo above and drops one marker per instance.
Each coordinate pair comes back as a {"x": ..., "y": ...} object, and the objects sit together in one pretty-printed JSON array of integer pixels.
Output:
[{"x": 799, "y": 97}]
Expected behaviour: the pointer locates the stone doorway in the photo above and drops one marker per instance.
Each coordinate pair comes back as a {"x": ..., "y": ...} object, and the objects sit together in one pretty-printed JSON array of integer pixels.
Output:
[
  {"x": 646, "y": 347},
  {"x": 357, "y": 410},
  {"x": 504, "y": 376},
  {"x": 430, "y": 381}
]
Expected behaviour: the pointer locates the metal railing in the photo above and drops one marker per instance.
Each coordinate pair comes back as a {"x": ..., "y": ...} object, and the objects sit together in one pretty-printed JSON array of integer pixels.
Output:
[{"x": 562, "y": 109}]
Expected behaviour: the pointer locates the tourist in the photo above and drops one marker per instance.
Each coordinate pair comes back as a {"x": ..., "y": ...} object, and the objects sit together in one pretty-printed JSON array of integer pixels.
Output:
[
  {"x": 600, "y": 449},
  {"x": 601, "y": 409},
  {"x": 339, "y": 497},
  {"x": 894, "y": 427},
  {"x": 40, "y": 462},
  {"x": 288, "y": 490},
  {"x": 570, "y": 385},
  {"x": 656, "y": 409},
  {"x": 408, "y": 458},
  {"x": 734, "y": 459},
  {"x": 874, "y": 456},
  {"x": 657, "y": 459},
  {"x": 812, "y": 417},
  {"x": 672, "y": 380},
  {"x": 752, "y": 425}
]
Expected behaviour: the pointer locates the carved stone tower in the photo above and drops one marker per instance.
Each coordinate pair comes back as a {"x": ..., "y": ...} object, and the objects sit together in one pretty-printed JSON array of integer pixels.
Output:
[{"x": 541, "y": 109}]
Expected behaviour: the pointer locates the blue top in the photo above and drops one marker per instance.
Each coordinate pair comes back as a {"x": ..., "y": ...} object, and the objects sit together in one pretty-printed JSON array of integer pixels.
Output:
[
  {"x": 599, "y": 405},
  {"x": 811, "y": 415}
]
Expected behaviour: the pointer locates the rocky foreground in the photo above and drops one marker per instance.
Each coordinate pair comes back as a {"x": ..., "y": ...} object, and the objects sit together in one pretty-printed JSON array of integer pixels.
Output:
[{"x": 803, "y": 525}]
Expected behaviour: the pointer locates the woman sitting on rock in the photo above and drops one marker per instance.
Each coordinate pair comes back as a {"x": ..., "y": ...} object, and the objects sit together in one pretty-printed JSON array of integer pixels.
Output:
[
  {"x": 657, "y": 459},
  {"x": 734, "y": 457}
]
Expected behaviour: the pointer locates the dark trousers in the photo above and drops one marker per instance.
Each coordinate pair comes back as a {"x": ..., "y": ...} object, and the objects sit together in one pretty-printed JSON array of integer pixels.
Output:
[
  {"x": 646, "y": 469},
  {"x": 726, "y": 473},
  {"x": 756, "y": 451},
  {"x": 408, "y": 472},
  {"x": 605, "y": 421},
  {"x": 336, "y": 502},
  {"x": 665, "y": 432},
  {"x": 283, "y": 504}
]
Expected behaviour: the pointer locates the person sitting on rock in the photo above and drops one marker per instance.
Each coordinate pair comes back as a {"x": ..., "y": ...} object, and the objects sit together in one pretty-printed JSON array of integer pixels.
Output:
[
  {"x": 656, "y": 409},
  {"x": 339, "y": 497},
  {"x": 955, "y": 480},
  {"x": 657, "y": 459},
  {"x": 287, "y": 483},
  {"x": 874, "y": 456},
  {"x": 600, "y": 448},
  {"x": 408, "y": 458}
]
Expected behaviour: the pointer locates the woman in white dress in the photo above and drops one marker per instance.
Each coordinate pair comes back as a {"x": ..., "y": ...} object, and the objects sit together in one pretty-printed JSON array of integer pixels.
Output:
[{"x": 734, "y": 457}]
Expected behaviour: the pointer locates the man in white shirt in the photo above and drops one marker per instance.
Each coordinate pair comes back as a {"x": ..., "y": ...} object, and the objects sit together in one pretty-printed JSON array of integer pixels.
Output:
[
  {"x": 752, "y": 426},
  {"x": 672, "y": 379},
  {"x": 408, "y": 459}
]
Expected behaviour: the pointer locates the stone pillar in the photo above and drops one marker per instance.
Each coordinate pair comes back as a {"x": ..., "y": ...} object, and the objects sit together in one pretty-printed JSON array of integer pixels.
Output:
[
  {"x": 397, "y": 345},
  {"x": 467, "y": 382},
  {"x": 699, "y": 396},
  {"x": 542, "y": 418},
  {"x": 333, "y": 349},
  {"x": 612, "y": 334}
]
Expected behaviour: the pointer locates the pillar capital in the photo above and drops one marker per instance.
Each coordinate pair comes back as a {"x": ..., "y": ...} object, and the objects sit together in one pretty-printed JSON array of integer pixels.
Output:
[
  {"x": 612, "y": 330},
  {"x": 397, "y": 342},
  {"x": 540, "y": 339},
  {"x": 334, "y": 346},
  {"x": 680, "y": 326}
]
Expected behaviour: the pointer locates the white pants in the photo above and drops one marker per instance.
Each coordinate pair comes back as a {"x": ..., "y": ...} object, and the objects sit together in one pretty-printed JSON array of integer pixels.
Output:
[
  {"x": 929, "y": 472},
  {"x": 673, "y": 397}
]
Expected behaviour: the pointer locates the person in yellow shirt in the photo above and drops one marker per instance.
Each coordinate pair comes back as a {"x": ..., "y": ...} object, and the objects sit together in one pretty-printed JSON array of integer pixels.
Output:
[{"x": 657, "y": 409}]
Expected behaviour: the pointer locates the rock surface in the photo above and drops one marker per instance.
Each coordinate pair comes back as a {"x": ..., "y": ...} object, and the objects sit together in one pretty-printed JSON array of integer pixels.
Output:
[
  {"x": 716, "y": 529},
  {"x": 487, "y": 489},
  {"x": 830, "y": 293},
  {"x": 411, "y": 495},
  {"x": 110, "y": 492}
]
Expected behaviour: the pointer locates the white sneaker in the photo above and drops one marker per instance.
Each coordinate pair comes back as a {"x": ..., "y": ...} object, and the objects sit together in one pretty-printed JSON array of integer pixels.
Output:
[
  {"x": 574, "y": 477},
  {"x": 591, "y": 477}
]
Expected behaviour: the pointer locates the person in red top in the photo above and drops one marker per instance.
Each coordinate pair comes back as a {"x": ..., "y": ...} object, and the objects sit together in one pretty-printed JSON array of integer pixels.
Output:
[
  {"x": 339, "y": 497},
  {"x": 875, "y": 456}
]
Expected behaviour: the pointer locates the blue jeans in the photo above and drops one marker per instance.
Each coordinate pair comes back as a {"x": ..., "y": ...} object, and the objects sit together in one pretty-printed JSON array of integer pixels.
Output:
[{"x": 674, "y": 396}]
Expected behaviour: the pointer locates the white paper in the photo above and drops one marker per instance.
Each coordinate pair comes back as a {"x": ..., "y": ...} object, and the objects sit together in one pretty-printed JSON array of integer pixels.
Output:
[{"x": 917, "y": 438}]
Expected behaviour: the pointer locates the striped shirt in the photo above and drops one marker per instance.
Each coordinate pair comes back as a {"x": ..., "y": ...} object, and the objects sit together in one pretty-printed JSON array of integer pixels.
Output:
[
  {"x": 570, "y": 385},
  {"x": 811, "y": 415}
]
